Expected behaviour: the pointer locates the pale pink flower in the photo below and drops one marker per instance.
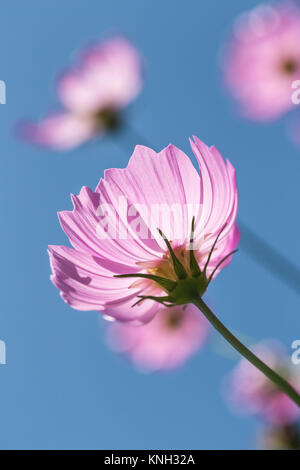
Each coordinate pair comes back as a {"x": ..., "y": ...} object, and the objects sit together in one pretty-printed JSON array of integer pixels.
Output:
[
  {"x": 263, "y": 60},
  {"x": 166, "y": 342},
  {"x": 113, "y": 229},
  {"x": 107, "y": 78},
  {"x": 252, "y": 392}
]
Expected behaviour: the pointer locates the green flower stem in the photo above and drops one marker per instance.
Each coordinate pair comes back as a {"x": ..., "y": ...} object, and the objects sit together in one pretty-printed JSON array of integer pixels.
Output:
[{"x": 255, "y": 361}]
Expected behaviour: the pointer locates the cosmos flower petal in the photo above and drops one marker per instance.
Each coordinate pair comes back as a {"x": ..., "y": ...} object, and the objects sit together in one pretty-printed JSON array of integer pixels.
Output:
[
  {"x": 166, "y": 342},
  {"x": 108, "y": 76},
  {"x": 63, "y": 131},
  {"x": 174, "y": 183},
  {"x": 131, "y": 222},
  {"x": 83, "y": 227},
  {"x": 123, "y": 311},
  {"x": 219, "y": 192},
  {"x": 86, "y": 279},
  {"x": 262, "y": 59},
  {"x": 86, "y": 283}
]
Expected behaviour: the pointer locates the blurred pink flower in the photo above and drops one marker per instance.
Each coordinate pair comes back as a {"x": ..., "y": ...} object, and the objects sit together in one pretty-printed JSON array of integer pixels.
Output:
[
  {"x": 251, "y": 391},
  {"x": 106, "y": 79},
  {"x": 263, "y": 59},
  {"x": 113, "y": 230},
  {"x": 164, "y": 343}
]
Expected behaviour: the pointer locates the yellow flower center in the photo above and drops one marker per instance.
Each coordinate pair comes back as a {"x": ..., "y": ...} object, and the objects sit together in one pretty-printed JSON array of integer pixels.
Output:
[{"x": 165, "y": 268}]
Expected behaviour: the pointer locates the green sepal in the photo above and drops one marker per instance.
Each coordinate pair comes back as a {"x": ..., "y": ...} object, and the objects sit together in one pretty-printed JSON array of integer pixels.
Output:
[
  {"x": 178, "y": 267},
  {"x": 162, "y": 300},
  {"x": 219, "y": 264}
]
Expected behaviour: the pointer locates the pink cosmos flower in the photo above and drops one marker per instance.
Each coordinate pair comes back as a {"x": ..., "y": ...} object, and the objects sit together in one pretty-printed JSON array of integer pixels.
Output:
[
  {"x": 107, "y": 78},
  {"x": 263, "y": 60},
  {"x": 113, "y": 230},
  {"x": 250, "y": 390},
  {"x": 166, "y": 342}
]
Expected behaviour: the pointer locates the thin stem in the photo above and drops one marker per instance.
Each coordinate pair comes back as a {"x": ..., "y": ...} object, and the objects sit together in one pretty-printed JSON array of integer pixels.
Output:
[{"x": 246, "y": 353}]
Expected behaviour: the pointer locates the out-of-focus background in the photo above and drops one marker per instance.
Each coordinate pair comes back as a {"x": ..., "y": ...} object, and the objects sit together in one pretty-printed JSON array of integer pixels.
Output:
[{"x": 62, "y": 387}]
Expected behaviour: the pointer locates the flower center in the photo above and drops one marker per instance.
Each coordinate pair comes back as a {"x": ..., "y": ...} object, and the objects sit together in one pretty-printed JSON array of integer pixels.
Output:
[
  {"x": 165, "y": 267},
  {"x": 108, "y": 118},
  {"x": 289, "y": 66},
  {"x": 173, "y": 319},
  {"x": 176, "y": 274}
]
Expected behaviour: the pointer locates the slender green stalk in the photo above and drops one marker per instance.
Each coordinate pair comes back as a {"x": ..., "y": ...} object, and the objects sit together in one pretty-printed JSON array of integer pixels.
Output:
[{"x": 273, "y": 376}]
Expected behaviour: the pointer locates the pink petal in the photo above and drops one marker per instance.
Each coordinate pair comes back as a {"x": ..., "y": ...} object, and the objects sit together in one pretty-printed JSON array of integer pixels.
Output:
[
  {"x": 264, "y": 40},
  {"x": 59, "y": 132},
  {"x": 109, "y": 75},
  {"x": 156, "y": 183},
  {"x": 124, "y": 312},
  {"x": 87, "y": 283},
  {"x": 219, "y": 199},
  {"x": 82, "y": 226},
  {"x": 156, "y": 345}
]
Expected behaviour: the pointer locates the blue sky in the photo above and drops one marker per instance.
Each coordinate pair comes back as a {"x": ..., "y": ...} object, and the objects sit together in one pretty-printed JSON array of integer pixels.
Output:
[{"x": 61, "y": 386}]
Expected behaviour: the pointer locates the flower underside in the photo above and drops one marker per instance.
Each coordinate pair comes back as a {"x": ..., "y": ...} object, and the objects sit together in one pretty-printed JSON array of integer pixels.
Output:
[{"x": 179, "y": 274}]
